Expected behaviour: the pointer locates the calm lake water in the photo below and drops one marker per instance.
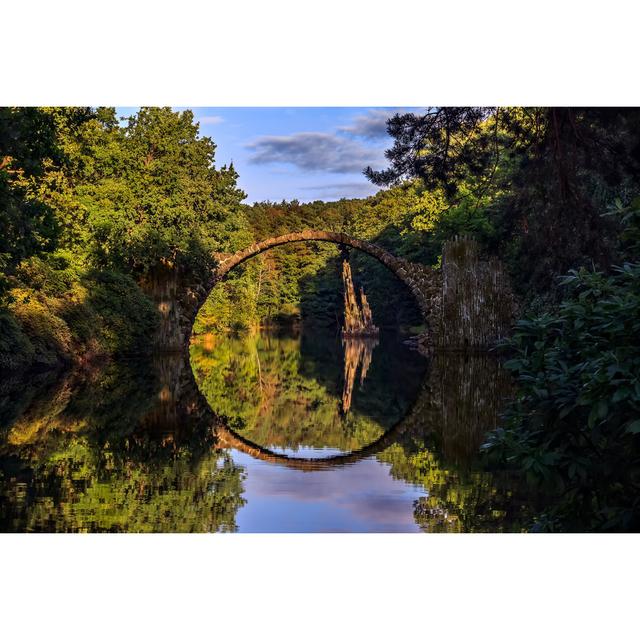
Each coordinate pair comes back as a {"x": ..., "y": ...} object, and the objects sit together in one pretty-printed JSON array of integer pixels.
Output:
[{"x": 275, "y": 432}]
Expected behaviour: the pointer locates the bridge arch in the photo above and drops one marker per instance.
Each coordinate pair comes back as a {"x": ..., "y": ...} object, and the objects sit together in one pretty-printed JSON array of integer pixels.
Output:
[
  {"x": 418, "y": 416},
  {"x": 422, "y": 281},
  {"x": 227, "y": 437},
  {"x": 396, "y": 265}
]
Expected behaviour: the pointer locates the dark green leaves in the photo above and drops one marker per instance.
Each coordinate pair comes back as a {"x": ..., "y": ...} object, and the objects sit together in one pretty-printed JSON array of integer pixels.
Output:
[{"x": 574, "y": 428}]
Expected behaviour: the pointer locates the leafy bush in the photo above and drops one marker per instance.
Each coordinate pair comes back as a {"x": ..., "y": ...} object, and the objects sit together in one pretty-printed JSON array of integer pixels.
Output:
[
  {"x": 629, "y": 220},
  {"x": 128, "y": 318},
  {"x": 48, "y": 333},
  {"x": 574, "y": 428},
  {"x": 52, "y": 275}
]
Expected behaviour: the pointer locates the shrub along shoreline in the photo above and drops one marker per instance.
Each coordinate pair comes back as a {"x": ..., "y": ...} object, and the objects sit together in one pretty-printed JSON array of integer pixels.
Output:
[
  {"x": 58, "y": 318},
  {"x": 574, "y": 427}
]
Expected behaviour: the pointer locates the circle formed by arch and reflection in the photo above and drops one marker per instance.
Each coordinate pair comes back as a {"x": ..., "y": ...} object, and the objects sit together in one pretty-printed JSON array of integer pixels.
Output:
[{"x": 414, "y": 277}]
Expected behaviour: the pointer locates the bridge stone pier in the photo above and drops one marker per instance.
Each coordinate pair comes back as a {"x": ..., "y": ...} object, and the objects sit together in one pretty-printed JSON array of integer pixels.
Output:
[{"x": 466, "y": 305}]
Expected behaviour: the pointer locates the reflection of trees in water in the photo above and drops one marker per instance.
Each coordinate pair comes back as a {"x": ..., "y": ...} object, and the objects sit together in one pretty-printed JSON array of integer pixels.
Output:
[
  {"x": 285, "y": 391},
  {"x": 358, "y": 352},
  {"x": 132, "y": 449},
  {"x": 461, "y": 400},
  {"x": 123, "y": 449}
]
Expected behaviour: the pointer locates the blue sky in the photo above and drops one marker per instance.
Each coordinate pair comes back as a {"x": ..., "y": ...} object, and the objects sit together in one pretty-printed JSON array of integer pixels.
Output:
[{"x": 303, "y": 153}]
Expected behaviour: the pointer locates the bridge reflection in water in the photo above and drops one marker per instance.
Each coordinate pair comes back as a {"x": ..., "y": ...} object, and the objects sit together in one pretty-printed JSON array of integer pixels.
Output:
[
  {"x": 162, "y": 449},
  {"x": 432, "y": 445},
  {"x": 458, "y": 402}
]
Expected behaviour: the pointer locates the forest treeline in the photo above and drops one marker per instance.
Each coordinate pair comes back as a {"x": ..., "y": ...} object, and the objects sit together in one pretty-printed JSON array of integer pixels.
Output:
[{"x": 91, "y": 208}]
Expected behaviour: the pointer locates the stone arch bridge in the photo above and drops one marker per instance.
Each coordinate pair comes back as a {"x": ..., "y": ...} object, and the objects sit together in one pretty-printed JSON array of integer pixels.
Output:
[
  {"x": 467, "y": 304},
  {"x": 179, "y": 305}
]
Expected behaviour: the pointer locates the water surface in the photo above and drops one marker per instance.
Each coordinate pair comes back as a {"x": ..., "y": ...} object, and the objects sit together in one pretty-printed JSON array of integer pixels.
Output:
[{"x": 274, "y": 432}]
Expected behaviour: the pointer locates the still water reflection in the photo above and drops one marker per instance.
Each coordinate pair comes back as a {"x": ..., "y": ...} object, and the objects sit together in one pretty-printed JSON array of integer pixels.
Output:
[{"x": 272, "y": 432}]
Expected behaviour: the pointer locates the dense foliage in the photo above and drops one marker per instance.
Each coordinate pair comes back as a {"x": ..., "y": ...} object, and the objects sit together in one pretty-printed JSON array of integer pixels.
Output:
[
  {"x": 575, "y": 426},
  {"x": 59, "y": 314},
  {"x": 541, "y": 178},
  {"x": 28, "y": 148}
]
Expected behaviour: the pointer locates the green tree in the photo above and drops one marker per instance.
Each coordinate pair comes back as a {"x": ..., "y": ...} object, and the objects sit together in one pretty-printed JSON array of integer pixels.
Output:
[
  {"x": 157, "y": 198},
  {"x": 28, "y": 146},
  {"x": 541, "y": 176}
]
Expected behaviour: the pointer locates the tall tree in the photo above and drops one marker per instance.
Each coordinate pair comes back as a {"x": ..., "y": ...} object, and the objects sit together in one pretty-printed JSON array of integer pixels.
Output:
[
  {"x": 162, "y": 200},
  {"x": 27, "y": 225}
]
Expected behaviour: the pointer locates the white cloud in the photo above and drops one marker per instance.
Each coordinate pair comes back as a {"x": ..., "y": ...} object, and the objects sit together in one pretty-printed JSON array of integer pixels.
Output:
[
  {"x": 371, "y": 125},
  {"x": 315, "y": 151}
]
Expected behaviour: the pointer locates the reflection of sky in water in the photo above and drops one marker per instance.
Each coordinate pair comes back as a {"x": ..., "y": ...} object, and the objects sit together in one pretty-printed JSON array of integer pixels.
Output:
[
  {"x": 359, "y": 497},
  {"x": 308, "y": 452},
  {"x": 295, "y": 404}
]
